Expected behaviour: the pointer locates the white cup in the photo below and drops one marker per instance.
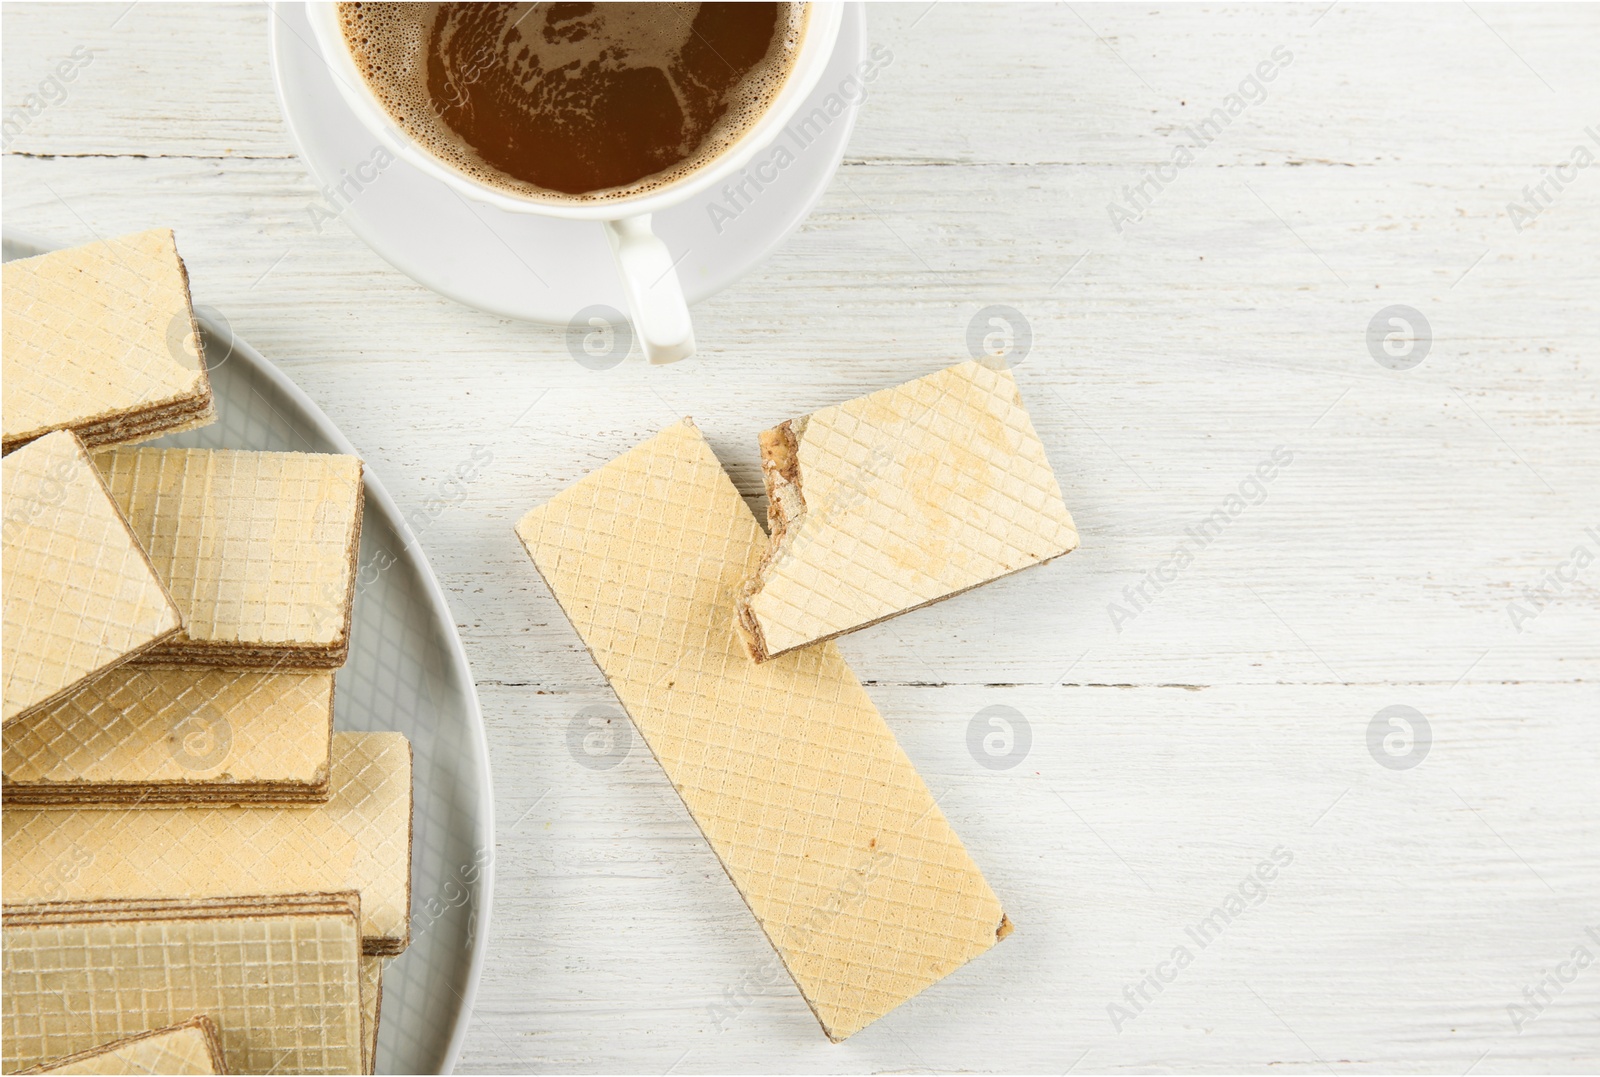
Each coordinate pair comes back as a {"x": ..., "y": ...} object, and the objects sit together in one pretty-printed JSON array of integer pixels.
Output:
[{"x": 649, "y": 279}]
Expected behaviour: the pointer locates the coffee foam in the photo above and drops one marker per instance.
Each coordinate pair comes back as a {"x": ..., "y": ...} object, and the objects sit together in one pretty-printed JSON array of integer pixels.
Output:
[{"x": 389, "y": 43}]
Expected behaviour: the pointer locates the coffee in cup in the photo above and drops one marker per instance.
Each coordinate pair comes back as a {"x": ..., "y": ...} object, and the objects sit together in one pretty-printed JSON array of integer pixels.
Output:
[{"x": 574, "y": 102}]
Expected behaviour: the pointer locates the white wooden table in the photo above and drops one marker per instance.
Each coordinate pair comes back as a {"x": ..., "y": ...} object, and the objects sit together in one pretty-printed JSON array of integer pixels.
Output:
[{"x": 1227, "y": 714}]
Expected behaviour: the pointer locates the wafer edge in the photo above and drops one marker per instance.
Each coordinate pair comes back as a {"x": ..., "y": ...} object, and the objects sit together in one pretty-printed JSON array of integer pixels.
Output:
[
  {"x": 786, "y": 507},
  {"x": 150, "y": 910},
  {"x": 172, "y": 794},
  {"x": 369, "y": 1045},
  {"x": 130, "y": 428},
  {"x": 387, "y": 946},
  {"x": 199, "y": 1021}
]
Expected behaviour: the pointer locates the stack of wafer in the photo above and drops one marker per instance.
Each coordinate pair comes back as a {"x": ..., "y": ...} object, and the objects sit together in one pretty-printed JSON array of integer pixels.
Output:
[{"x": 198, "y": 872}]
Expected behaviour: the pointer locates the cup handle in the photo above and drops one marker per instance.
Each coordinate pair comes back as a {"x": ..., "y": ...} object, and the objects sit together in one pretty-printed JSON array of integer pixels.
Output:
[{"x": 655, "y": 296}]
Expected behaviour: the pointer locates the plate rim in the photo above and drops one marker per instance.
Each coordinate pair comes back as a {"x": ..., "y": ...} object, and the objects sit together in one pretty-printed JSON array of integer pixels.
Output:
[{"x": 376, "y": 491}]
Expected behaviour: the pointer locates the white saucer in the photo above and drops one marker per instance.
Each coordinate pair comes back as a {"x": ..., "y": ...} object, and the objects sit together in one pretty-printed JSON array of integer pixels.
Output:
[{"x": 537, "y": 268}]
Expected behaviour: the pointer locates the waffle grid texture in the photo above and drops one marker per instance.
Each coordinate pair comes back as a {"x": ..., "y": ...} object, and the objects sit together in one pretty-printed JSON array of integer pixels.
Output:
[
  {"x": 141, "y": 734},
  {"x": 80, "y": 595},
  {"x": 257, "y": 548},
  {"x": 821, "y": 821},
  {"x": 359, "y": 840},
  {"x": 902, "y": 498},
  {"x": 181, "y": 1049},
  {"x": 283, "y": 991},
  {"x": 101, "y": 339}
]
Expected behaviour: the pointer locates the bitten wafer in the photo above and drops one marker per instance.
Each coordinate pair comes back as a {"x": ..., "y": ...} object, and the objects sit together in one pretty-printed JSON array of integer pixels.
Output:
[
  {"x": 359, "y": 840},
  {"x": 80, "y": 595},
  {"x": 149, "y": 736},
  {"x": 821, "y": 821},
  {"x": 896, "y": 500},
  {"x": 258, "y": 549},
  {"x": 279, "y": 977},
  {"x": 101, "y": 340},
  {"x": 193, "y": 1046}
]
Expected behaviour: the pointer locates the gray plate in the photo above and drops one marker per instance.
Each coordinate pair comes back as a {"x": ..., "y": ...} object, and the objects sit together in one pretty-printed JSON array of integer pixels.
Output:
[{"x": 407, "y": 672}]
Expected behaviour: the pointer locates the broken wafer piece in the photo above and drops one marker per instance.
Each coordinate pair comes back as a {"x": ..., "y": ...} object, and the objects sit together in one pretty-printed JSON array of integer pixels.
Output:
[
  {"x": 80, "y": 595},
  {"x": 278, "y": 976},
  {"x": 820, "y": 820},
  {"x": 359, "y": 840},
  {"x": 897, "y": 500},
  {"x": 191, "y": 1046},
  {"x": 258, "y": 549},
  {"x": 135, "y": 735},
  {"x": 101, "y": 340}
]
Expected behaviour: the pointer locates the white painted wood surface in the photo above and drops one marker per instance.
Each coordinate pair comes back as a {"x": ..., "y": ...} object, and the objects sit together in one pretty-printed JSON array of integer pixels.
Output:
[{"x": 1226, "y": 719}]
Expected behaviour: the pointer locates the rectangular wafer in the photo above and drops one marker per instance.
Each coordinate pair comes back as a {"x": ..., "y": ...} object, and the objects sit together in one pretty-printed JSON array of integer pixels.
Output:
[
  {"x": 80, "y": 596},
  {"x": 821, "y": 821},
  {"x": 278, "y": 976},
  {"x": 101, "y": 339},
  {"x": 191, "y": 1046},
  {"x": 258, "y": 549},
  {"x": 359, "y": 840},
  {"x": 896, "y": 500},
  {"x": 135, "y": 735}
]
